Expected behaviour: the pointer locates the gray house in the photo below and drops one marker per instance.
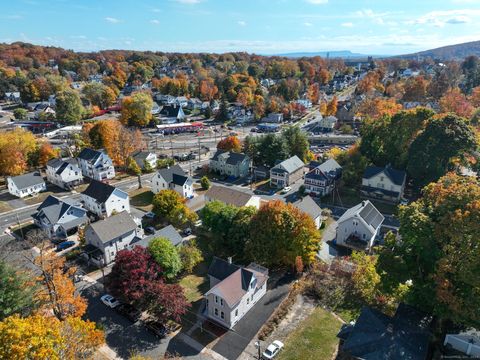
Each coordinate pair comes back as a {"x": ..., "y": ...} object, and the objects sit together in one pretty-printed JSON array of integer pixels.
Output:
[
  {"x": 234, "y": 290},
  {"x": 111, "y": 235},
  {"x": 230, "y": 163},
  {"x": 27, "y": 184},
  {"x": 59, "y": 218},
  {"x": 310, "y": 207},
  {"x": 287, "y": 172},
  {"x": 64, "y": 173},
  {"x": 168, "y": 232}
]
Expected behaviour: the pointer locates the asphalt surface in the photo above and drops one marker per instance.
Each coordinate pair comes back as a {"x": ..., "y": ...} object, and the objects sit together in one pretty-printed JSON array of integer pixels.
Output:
[{"x": 233, "y": 343}]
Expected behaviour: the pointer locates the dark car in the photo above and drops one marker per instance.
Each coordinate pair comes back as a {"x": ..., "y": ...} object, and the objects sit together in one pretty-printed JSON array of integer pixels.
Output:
[
  {"x": 149, "y": 230},
  {"x": 65, "y": 245},
  {"x": 129, "y": 312},
  {"x": 156, "y": 328}
]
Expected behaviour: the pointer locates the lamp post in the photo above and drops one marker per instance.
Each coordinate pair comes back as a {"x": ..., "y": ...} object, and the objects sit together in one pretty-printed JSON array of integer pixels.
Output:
[{"x": 257, "y": 345}]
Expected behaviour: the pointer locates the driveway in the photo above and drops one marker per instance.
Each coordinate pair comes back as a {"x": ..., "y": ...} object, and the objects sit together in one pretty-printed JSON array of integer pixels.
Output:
[
  {"x": 328, "y": 252},
  {"x": 232, "y": 344}
]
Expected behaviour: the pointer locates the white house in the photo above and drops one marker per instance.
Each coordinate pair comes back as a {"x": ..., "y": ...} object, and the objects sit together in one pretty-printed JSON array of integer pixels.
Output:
[
  {"x": 311, "y": 208},
  {"x": 145, "y": 157},
  {"x": 96, "y": 164},
  {"x": 321, "y": 180},
  {"x": 231, "y": 196},
  {"x": 27, "y": 184},
  {"x": 234, "y": 290},
  {"x": 358, "y": 226},
  {"x": 59, "y": 218},
  {"x": 103, "y": 199},
  {"x": 171, "y": 114},
  {"x": 173, "y": 178},
  {"x": 327, "y": 123},
  {"x": 109, "y": 236},
  {"x": 385, "y": 184},
  {"x": 230, "y": 163},
  {"x": 273, "y": 118},
  {"x": 287, "y": 172},
  {"x": 64, "y": 173}
]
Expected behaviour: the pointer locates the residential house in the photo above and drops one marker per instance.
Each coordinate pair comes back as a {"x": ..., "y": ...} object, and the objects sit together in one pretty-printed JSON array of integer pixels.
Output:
[
  {"x": 345, "y": 112},
  {"x": 27, "y": 184},
  {"x": 375, "y": 335},
  {"x": 181, "y": 101},
  {"x": 273, "y": 118},
  {"x": 194, "y": 104},
  {"x": 13, "y": 96},
  {"x": 307, "y": 104},
  {"x": 59, "y": 218},
  {"x": 103, "y": 199},
  {"x": 168, "y": 232},
  {"x": 230, "y": 163},
  {"x": 165, "y": 99},
  {"x": 109, "y": 236},
  {"x": 64, "y": 173},
  {"x": 171, "y": 114},
  {"x": 96, "y": 164},
  {"x": 322, "y": 179},
  {"x": 327, "y": 124},
  {"x": 310, "y": 207},
  {"x": 287, "y": 172},
  {"x": 231, "y": 196},
  {"x": 44, "y": 109},
  {"x": 145, "y": 157},
  {"x": 359, "y": 226},
  {"x": 386, "y": 183},
  {"x": 155, "y": 109},
  {"x": 173, "y": 178},
  {"x": 234, "y": 290},
  {"x": 261, "y": 172},
  {"x": 466, "y": 342}
]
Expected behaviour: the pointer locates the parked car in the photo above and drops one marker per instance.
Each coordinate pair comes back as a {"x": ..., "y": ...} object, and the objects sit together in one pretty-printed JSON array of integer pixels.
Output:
[
  {"x": 110, "y": 301},
  {"x": 272, "y": 350},
  {"x": 65, "y": 245},
  {"x": 149, "y": 230},
  {"x": 187, "y": 232},
  {"x": 286, "y": 189},
  {"x": 156, "y": 328},
  {"x": 129, "y": 312},
  {"x": 149, "y": 215}
]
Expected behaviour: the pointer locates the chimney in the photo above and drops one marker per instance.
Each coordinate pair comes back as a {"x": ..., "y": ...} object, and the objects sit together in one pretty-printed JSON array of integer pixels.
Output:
[{"x": 229, "y": 259}]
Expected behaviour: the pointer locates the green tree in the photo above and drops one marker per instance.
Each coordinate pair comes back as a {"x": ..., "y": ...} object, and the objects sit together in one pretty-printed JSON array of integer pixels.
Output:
[
  {"x": 222, "y": 114},
  {"x": 136, "y": 109},
  {"x": 133, "y": 167},
  {"x": 271, "y": 149},
  {"x": 432, "y": 152},
  {"x": 166, "y": 255},
  {"x": 169, "y": 205},
  {"x": 190, "y": 256},
  {"x": 69, "y": 107},
  {"x": 16, "y": 292},
  {"x": 147, "y": 168},
  {"x": 439, "y": 252},
  {"x": 20, "y": 113},
  {"x": 99, "y": 95},
  {"x": 205, "y": 182},
  {"x": 297, "y": 142},
  {"x": 353, "y": 166},
  {"x": 163, "y": 163}
]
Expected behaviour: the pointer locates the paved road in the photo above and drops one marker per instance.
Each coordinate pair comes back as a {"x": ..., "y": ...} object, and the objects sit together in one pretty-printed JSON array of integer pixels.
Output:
[{"x": 233, "y": 343}]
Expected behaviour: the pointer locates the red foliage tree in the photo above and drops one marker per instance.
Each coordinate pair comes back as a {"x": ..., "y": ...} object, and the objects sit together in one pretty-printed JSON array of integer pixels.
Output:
[
  {"x": 138, "y": 279},
  {"x": 230, "y": 143}
]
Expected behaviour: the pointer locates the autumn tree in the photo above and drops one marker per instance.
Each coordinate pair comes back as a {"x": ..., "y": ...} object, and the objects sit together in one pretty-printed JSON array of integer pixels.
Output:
[
  {"x": 286, "y": 233},
  {"x": 205, "y": 182},
  {"x": 190, "y": 255},
  {"x": 378, "y": 107},
  {"x": 45, "y": 153},
  {"x": 166, "y": 255},
  {"x": 207, "y": 89},
  {"x": 69, "y": 108},
  {"x": 170, "y": 205},
  {"x": 230, "y": 143},
  {"x": 332, "y": 107},
  {"x": 370, "y": 83},
  {"x": 438, "y": 253},
  {"x": 16, "y": 149},
  {"x": 137, "y": 279},
  {"x": 136, "y": 109},
  {"x": 99, "y": 95},
  {"x": 415, "y": 89},
  {"x": 457, "y": 103}
]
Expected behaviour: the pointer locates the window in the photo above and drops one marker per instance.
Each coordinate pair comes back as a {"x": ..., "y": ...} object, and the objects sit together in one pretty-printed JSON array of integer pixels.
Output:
[
  {"x": 216, "y": 299},
  {"x": 222, "y": 315},
  {"x": 364, "y": 236},
  {"x": 248, "y": 301},
  {"x": 381, "y": 178},
  {"x": 252, "y": 297},
  {"x": 236, "y": 312},
  {"x": 216, "y": 312},
  {"x": 221, "y": 302}
]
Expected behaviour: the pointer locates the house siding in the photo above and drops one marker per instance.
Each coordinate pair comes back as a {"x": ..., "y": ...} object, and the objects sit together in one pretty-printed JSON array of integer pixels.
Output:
[{"x": 382, "y": 182}]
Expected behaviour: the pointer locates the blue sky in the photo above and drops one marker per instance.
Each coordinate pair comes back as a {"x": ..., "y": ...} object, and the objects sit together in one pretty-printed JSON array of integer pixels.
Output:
[{"x": 260, "y": 26}]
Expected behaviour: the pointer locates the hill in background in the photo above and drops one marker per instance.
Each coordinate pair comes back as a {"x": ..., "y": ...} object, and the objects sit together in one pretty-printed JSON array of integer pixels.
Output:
[{"x": 451, "y": 52}]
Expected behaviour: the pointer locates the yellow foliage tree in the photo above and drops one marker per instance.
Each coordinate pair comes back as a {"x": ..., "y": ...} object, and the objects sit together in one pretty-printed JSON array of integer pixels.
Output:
[{"x": 15, "y": 148}]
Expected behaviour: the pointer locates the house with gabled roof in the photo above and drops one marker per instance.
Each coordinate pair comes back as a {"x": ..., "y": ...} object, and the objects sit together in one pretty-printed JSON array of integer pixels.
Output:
[
  {"x": 311, "y": 208},
  {"x": 60, "y": 218},
  {"x": 64, "y": 173},
  {"x": 321, "y": 180},
  {"x": 145, "y": 157},
  {"x": 230, "y": 163},
  {"x": 171, "y": 114},
  {"x": 286, "y": 172},
  {"x": 359, "y": 226},
  {"x": 96, "y": 164},
  {"x": 103, "y": 199},
  {"x": 26, "y": 184},
  {"x": 234, "y": 290},
  {"x": 173, "y": 178},
  {"x": 230, "y": 196},
  {"x": 387, "y": 184},
  {"x": 168, "y": 232}
]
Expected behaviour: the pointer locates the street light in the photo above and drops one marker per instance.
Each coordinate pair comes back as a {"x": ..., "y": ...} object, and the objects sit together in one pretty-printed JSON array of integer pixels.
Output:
[{"x": 257, "y": 345}]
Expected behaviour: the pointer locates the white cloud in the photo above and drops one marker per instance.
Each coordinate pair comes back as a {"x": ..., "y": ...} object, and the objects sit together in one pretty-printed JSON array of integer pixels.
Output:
[
  {"x": 154, "y": 22},
  {"x": 317, "y": 2},
  {"x": 188, "y": 2},
  {"x": 308, "y": 24},
  {"x": 347, "y": 24},
  {"x": 241, "y": 23},
  {"x": 112, "y": 20},
  {"x": 461, "y": 19},
  {"x": 441, "y": 18}
]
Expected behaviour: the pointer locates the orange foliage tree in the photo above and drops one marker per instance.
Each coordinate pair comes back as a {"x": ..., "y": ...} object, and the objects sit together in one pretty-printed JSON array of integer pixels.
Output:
[
  {"x": 45, "y": 153},
  {"x": 332, "y": 107},
  {"x": 377, "y": 107},
  {"x": 230, "y": 143},
  {"x": 15, "y": 149},
  {"x": 453, "y": 101},
  {"x": 207, "y": 89}
]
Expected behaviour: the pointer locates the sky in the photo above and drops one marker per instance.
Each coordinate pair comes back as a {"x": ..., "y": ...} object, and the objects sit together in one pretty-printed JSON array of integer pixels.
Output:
[{"x": 374, "y": 27}]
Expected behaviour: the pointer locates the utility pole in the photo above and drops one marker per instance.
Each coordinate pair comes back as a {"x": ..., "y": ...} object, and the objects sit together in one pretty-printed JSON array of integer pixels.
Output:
[{"x": 171, "y": 146}]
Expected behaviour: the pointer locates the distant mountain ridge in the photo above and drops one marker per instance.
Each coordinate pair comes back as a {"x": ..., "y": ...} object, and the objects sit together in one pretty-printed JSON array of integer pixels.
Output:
[
  {"x": 344, "y": 54},
  {"x": 451, "y": 52}
]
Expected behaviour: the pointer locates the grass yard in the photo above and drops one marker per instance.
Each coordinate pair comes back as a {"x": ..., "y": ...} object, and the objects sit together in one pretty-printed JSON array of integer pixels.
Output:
[
  {"x": 195, "y": 284},
  {"x": 315, "y": 338},
  {"x": 141, "y": 199}
]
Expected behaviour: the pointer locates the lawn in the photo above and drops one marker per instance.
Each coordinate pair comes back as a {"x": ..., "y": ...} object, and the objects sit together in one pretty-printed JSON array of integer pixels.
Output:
[
  {"x": 315, "y": 338},
  {"x": 141, "y": 199},
  {"x": 195, "y": 284}
]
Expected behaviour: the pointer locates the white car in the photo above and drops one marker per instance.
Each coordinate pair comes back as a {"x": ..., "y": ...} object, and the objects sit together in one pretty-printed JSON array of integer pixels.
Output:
[
  {"x": 286, "y": 189},
  {"x": 272, "y": 350},
  {"x": 110, "y": 301}
]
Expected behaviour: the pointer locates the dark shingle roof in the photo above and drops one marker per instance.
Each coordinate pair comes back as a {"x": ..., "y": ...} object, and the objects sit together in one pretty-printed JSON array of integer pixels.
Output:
[
  {"x": 232, "y": 157},
  {"x": 221, "y": 269},
  {"x": 367, "y": 211},
  {"x": 228, "y": 196},
  {"x": 170, "y": 111},
  {"x": 54, "y": 208},
  {"x": 396, "y": 176},
  {"x": 99, "y": 191},
  {"x": 173, "y": 174},
  {"x": 27, "y": 180},
  {"x": 309, "y": 206},
  {"x": 89, "y": 155},
  {"x": 113, "y": 227},
  {"x": 168, "y": 232}
]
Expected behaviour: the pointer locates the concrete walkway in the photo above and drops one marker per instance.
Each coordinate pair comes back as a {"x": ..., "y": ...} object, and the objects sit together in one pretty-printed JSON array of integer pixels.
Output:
[{"x": 327, "y": 253}]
